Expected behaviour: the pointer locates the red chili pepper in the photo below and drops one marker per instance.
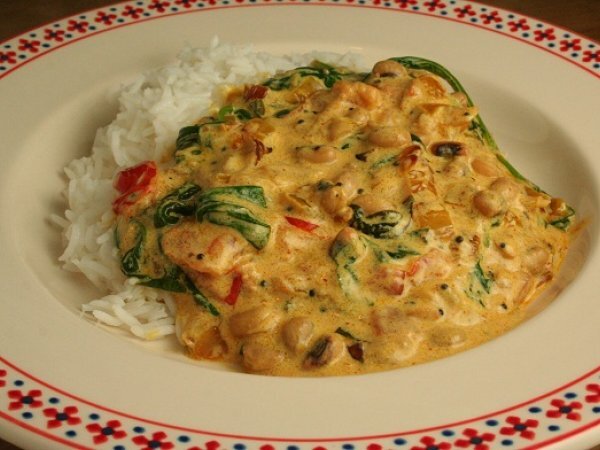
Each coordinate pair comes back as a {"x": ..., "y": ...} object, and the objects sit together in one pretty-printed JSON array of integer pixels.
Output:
[
  {"x": 256, "y": 92},
  {"x": 302, "y": 224},
  {"x": 132, "y": 183},
  {"x": 234, "y": 291}
]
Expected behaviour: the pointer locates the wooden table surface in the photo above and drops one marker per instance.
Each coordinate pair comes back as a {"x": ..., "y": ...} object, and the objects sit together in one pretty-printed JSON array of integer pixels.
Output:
[{"x": 580, "y": 16}]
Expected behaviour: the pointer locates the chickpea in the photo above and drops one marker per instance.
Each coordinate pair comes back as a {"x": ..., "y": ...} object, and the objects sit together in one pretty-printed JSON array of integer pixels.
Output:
[
  {"x": 297, "y": 333},
  {"x": 389, "y": 68},
  {"x": 389, "y": 137},
  {"x": 322, "y": 154},
  {"x": 256, "y": 320},
  {"x": 257, "y": 356},
  {"x": 489, "y": 203}
]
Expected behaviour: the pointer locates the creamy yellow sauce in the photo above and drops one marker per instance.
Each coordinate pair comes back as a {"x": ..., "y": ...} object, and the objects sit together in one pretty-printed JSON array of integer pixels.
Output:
[{"x": 329, "y": 222}]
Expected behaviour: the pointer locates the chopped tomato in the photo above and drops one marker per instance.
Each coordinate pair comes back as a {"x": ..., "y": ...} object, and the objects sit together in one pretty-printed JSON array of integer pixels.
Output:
[
  {"x": 255, "y": 92},
  {"x": 302, "y": 224},
  {"x": 234, "y": 291},
  {"x": 132, "y": 183}
]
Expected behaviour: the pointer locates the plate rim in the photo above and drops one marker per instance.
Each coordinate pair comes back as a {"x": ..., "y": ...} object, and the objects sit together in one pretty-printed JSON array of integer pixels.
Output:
[{"x": 27, "y": 55}]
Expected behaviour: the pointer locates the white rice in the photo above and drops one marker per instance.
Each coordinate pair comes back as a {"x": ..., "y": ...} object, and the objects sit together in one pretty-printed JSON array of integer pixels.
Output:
[{"x": 152, "y": 109}]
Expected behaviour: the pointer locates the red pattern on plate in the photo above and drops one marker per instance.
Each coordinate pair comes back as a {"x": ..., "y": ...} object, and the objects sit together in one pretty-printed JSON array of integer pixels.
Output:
[
  {"x": 48, "y": 411},
  {"x": 56, "y": 415},
  {"x": 565, "y": 44}
]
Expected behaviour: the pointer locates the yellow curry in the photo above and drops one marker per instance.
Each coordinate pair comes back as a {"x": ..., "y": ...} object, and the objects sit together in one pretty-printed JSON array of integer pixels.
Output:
[{"x": 328, "y": 222}]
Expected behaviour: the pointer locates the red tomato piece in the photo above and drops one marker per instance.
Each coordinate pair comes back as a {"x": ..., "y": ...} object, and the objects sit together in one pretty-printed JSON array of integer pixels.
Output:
[
  {"x": 256, "y": 92},
  {"x": 135, "y": 177},
  {"x": 302, "y": 224},
  {"x": 132, "y": 183},
  {"x": 234, "y": 291}
]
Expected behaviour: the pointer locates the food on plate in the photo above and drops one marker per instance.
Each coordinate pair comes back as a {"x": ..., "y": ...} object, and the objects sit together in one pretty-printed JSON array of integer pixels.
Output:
[
  {"x": 328, "y": 221},
  {"x": 299, "y": 216}
]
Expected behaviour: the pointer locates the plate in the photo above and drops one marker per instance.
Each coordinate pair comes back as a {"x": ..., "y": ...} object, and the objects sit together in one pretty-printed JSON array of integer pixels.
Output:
[{"x": 66, "y": 383}]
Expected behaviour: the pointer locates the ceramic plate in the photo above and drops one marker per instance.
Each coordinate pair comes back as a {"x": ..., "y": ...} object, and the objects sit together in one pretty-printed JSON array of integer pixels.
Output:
[{"x": 66, "y": 383}]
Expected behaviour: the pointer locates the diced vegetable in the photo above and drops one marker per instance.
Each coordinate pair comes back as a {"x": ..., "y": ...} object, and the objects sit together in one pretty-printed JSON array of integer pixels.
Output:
[
  {"x": 234, "y": 291},
  {"x": 132, "y": 183},
  {"x": 302, "y": 224}
]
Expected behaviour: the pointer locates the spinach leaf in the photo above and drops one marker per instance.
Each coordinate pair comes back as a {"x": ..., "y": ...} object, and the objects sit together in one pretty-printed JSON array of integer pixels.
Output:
[
  {"x": 397, "y": 251},
  {"x": 380, "y": 225},
  {"x": 219, "y": 206},
  {"x": 253, "y": 194},
  {"x": 176, "y": 205},
  {"x": 199, "y": 297},
  {"x": 329, "y": 74},
  {"x": 346, "y": 251},
  {"x": 170, "y": 281},
  {"x": 401, "y": 252},
  {"x": 564, "y": 222},
  {"x": 511, "y": 169},
  {"x": 485, "y": 280},
  {"x": 130, "y": 262},
  {"x": 188, "y": 137}
]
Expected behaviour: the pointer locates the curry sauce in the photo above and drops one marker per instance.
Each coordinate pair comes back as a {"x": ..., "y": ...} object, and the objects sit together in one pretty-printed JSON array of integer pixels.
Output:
[{"x": 328, "y": 222}]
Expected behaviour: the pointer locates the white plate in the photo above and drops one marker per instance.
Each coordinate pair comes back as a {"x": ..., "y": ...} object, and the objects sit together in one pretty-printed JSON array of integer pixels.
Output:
[{"x": 65, "y": 383}]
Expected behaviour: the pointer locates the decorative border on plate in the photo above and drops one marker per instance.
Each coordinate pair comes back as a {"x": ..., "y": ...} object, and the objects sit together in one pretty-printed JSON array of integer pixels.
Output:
[
  {"x": 38, "y": 407},
  {"x": 32, "y": 404},
  {"x": 565, "y": 44}
]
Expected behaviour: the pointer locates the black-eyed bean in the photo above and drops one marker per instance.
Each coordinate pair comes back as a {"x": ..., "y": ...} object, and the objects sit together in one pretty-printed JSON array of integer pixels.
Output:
[
  {"x": 327, "y": 351},
  {"x": 334, "y": 200},
  {"x": 447, "y": 336},
  {"x": 484, "y": 167},
  {"x": 321, "y": 154},
  {"x": 258, "y": 356},
  {"x": 489, "y": 203},
  {"x": 389, "y": 68},
  {"x": 256, "y": 320},
  {"x": 297, "y": 333}
]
